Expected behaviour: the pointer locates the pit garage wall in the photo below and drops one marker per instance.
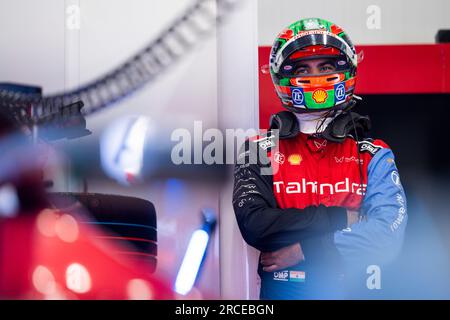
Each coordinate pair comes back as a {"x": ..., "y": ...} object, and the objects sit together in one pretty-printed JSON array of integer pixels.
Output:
[
  {"x": 367, "y": 21},
  {"x": 238, "y": 108}
]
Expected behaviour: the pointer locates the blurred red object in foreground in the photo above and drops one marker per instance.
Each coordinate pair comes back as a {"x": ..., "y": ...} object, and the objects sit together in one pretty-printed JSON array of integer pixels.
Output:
[{"x": 52, "y": 255}]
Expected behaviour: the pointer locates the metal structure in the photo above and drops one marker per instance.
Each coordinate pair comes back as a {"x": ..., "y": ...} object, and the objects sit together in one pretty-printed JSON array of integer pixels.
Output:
[{"x": 197, "y": 22}]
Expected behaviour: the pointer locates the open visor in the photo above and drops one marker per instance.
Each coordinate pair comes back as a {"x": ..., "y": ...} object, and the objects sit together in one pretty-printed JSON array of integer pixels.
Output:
[{"x": 300, "y": 67}]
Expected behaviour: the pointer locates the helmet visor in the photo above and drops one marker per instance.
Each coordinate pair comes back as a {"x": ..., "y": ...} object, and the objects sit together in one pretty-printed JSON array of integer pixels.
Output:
[{"x": 317, "y": 65}]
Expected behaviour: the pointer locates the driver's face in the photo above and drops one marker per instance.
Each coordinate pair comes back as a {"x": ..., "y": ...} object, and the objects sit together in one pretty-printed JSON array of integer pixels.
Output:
[{"x": 315, "y": 66}]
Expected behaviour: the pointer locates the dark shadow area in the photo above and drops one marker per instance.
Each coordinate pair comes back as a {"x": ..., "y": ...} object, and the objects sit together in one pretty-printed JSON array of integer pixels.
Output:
[{"x": 416, "y": 128}]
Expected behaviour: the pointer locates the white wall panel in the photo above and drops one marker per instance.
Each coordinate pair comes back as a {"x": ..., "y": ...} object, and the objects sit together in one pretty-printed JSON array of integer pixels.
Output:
[{"x": 402, "y": 21}]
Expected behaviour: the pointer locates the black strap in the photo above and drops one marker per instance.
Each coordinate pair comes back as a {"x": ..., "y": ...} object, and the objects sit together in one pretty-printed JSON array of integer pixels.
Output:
[
  {"x": 286, "y": 123},
  {"x": 342, "y": 126}
]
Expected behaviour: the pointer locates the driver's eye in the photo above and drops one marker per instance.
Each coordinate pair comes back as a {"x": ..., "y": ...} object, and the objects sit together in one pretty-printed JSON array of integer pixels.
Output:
[
  {"x": 301, "y": 70},
  {"x": 327, "y": 68}
]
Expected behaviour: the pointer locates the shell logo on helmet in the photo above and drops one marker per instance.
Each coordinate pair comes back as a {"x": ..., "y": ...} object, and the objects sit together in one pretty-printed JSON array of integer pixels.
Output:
[
  {"x": 320, "y": 96},
  {"x": 310, "y": 24}
]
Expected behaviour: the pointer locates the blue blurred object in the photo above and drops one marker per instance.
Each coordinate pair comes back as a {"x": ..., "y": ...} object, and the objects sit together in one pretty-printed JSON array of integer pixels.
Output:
[
  {"x": 9, "y": 201},
  {"x": 175, "y": 196},
  {"x": 195, "y": 254}
]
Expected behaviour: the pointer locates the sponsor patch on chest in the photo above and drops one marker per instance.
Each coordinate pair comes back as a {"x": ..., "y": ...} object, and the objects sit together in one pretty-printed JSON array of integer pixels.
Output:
[{"x": 304, "y": 187}]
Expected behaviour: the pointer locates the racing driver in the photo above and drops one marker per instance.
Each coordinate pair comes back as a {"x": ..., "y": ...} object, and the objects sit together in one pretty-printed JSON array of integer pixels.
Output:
[{"x": 320, "y": 199}]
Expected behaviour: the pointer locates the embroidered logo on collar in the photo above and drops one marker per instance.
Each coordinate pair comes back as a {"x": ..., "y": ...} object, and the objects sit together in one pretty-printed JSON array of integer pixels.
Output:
[{"x": 319, "y": 145}]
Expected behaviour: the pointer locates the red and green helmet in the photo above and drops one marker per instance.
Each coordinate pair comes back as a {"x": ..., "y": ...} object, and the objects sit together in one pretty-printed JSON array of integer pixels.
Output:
[{"x": 309, "y": 39}]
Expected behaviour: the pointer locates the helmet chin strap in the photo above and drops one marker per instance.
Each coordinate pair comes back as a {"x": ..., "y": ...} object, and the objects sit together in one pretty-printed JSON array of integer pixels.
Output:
[{"x": 315, "y": 122}]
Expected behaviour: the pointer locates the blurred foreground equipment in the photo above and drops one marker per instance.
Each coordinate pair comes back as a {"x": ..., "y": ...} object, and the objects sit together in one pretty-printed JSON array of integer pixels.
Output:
[
  {"x": 53, "y": 255},
  {"x": 124, "y": 220},
  {"x": 53, "y": 249}
]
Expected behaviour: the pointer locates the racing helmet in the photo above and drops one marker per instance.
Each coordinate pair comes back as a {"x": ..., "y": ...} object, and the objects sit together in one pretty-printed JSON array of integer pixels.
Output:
[{"x": 298, "y": 89}]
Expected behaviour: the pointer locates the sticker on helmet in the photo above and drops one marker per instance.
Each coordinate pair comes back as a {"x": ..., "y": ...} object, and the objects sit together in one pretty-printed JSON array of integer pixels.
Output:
[
  {"x": 339, "y": 93},
  {"x": 287, "y": 67},
  {"x": 320, "y": 96},
  {"x": 311, "y": 24},
  {"x": 297, "y": 96}
]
